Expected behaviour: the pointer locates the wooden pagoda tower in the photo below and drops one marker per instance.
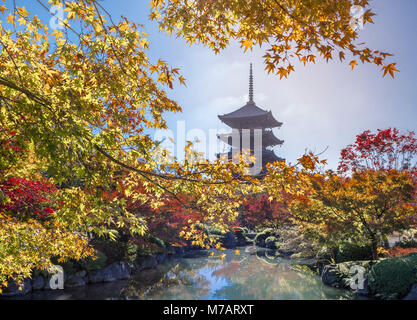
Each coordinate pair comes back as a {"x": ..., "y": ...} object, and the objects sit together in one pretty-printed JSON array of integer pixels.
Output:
[{"x": 251, "y": 117}]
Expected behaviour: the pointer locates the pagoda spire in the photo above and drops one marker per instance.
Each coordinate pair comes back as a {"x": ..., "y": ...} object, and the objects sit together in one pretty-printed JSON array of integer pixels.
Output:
[{"x": 250, "y": 84}]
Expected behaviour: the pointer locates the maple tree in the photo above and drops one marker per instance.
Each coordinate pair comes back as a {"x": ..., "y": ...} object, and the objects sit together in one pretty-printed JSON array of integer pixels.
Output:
[
  {"x": 167, "y": 220},
  {"x": 292, "y": 30},
  {"x": 29, "y": 233},
  {"x": 27, "y": 197},
  {"x": 384, "y": 150},
  {"x": 74, "y": 108},
  {"x": 364, "y": 207},
  {"x": 264, "y": 211},
  {"x": 368, "y": 206}
]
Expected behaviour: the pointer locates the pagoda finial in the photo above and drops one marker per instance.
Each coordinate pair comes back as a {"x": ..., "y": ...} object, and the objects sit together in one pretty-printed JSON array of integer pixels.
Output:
[{"x": 250, "y": 84}]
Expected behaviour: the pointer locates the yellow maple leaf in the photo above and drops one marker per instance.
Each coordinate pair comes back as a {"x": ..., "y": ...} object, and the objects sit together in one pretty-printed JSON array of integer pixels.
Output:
[
  {"x": 353, "y": 63},
  {"x": 390, "y": 68},
  {"x": 247, "y": 44},
  {"x": 10, "y": 18}
]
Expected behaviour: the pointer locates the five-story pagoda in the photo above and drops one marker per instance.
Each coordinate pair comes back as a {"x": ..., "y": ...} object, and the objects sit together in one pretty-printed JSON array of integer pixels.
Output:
[{"x": 257, "y": 122}]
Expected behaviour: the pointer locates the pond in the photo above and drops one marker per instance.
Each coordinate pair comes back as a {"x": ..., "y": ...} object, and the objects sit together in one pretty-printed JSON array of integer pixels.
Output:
[{"x": 254, "y": 274}]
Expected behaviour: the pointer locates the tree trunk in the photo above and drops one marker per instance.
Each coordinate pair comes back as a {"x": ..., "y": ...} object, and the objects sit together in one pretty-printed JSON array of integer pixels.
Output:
[{"x": 374, "y": 246}]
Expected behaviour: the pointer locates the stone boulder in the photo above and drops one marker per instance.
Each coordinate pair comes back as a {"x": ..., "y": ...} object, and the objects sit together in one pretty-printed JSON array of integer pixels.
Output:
[
  {"x": 125, "y": 271},
  {"x": 75, "y": 281},
  {"x": 178, "y": 251},
  {"x": 113, "y": 272},
  {"x": 38, "y": 282},
  {"x": 96, "y": 276},
  {"x": 332, "y": 276},
  {"x": 116, "y": 271},
  {"x": 229, "y": 240},
  {"x": 161, "y": 257},
  {"x": 340, "y": 276},
  {"x": 14, "y": 290},
  {"x": 146, "y": 262}
]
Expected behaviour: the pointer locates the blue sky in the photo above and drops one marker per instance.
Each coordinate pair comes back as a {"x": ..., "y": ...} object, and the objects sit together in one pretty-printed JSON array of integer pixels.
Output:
[{"x": 321, "y": 105}]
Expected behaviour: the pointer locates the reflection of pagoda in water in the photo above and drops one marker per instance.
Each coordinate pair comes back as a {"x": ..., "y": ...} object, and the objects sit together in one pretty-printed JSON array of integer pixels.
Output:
[{"x": 251, "y": 117}]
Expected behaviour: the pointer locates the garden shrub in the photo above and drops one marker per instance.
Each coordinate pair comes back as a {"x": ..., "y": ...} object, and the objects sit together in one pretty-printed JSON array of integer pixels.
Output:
[
  {"x": 93, "y": 265},
  {"x": 406, "y": 244},
  {"x": 130, "y": 252},
  {"x": 69, "y": 266},
  {"x": 305, "y": 268},
  {"x": 270, "y": 242},
  {"x": 262, "y": 236},
  {"x": 159, "y": 242},
  {"x": 393, "y": 278},
  {"x": 213, "y": 230},
  {"x": 326, "y": 255},
  {"x": 301, "y": 255},
  {"x": 349, "y": 251},
  {"x": 240, "y": 231},
  {"x": 244, "y": 229},
  {"x": 240, "y": 234},
  {"x": 119, "y": 250}
]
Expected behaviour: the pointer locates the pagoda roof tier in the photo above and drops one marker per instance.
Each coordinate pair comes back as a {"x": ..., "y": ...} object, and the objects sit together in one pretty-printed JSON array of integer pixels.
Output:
[
  {"x": 250, "y": 116},
  {"x": 268, "y": 138},
  {"x": 268, "y": 156}
]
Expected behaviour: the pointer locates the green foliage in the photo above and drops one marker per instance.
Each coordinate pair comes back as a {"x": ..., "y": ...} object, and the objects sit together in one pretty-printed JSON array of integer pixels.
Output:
[
  {"x": 304, "y": 268},
  {"x": 69, "y": 266},
  {"x": 37, "y": 272},
  {"x": 240, "y": 234},
  {"x": 262, "y": 236},
  {"x": 325, "y": 255},
  {"x": 241, "y": 231},
  {"x": 89, "y": 264},
  {"x": 159, "y": 242},
  {"x": 270, "y": 242},
  {"x": 393, "y": 278},
  {"x": 244, "y": 230},
  {"x": 349, "y": 251},
  {"x": 129, "y": 252},
  {"x": 213, "y": 230},
  {"x": 271, "y": 239},
  {"x": 301, "y": 255},
  {"x": 345, "y": 252},
  {"x": 405, "y": 244},
  {"x": 119, "y": 250}
]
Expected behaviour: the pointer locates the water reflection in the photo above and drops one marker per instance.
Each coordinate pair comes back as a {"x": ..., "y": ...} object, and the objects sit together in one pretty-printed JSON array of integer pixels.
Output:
[{"x": 254, "y": 274}]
